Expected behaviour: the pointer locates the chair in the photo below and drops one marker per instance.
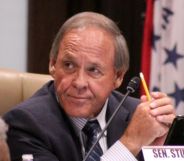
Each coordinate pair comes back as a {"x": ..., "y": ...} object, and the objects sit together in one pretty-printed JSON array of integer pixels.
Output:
[{"x": 16, "y": 86}]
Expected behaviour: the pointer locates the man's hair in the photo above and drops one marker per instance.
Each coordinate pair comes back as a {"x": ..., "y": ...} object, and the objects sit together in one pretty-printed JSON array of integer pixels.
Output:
[{"x": 86, "y": 19}]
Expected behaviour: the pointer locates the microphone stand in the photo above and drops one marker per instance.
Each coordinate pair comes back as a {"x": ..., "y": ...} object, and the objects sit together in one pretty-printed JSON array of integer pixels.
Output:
[{"x": 105, "y": 128}]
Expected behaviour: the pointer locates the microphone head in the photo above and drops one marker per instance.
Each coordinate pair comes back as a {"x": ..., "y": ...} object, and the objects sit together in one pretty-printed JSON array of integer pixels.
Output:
[{"x": 133, "y": 84}]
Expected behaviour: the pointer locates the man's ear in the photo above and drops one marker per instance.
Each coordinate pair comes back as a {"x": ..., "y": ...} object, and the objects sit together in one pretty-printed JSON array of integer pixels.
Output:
[
  {"x": 52, "y": 63},
  {"x": 119, "y": 78}
]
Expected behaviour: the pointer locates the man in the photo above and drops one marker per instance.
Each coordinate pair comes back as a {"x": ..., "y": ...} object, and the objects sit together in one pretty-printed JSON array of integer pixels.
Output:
[
  {"x": 88, "y": 61},
  {"x": 4, "y": 150}
]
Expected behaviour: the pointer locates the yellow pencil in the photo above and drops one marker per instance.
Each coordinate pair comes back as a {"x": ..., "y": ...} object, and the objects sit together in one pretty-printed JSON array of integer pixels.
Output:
[{"x": 145, "y": 86}]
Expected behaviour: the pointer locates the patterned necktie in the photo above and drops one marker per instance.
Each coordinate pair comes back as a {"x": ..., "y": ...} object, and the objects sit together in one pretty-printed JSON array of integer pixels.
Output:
[{"x": 91, "y": 130}]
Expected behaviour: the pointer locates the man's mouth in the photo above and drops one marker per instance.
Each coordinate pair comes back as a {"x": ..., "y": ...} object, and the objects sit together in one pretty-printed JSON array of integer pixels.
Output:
[{"x": 78, "y": 98}]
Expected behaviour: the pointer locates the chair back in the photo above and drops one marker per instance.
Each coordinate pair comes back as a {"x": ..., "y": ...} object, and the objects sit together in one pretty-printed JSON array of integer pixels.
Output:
[{"x": 16, "y": 86}]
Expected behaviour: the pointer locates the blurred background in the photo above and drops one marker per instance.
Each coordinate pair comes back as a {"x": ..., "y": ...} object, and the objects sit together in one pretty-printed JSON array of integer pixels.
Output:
[{"x": 28, "y": 27}]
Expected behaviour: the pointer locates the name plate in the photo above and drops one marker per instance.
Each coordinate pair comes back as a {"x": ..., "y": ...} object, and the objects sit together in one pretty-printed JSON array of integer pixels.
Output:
[{"x": 163, "y": 153}]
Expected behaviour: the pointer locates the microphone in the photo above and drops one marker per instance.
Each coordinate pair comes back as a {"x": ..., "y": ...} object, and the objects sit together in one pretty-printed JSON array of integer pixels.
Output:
[{"x": 132, "y": 86}]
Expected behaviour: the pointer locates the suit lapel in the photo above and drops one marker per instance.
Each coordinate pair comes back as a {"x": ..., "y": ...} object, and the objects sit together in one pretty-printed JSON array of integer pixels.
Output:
[{"x": 119, "y": 122}]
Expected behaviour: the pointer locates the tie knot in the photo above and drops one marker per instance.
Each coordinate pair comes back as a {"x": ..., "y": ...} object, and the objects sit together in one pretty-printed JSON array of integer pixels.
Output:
[{"x": 91, "y": 128}]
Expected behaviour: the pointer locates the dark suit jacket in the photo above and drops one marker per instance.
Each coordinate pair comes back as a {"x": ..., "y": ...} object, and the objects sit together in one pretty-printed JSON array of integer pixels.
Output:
[{"x": 39, "y": 126}]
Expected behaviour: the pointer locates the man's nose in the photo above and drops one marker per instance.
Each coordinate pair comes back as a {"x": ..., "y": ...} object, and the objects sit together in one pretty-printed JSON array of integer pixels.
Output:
[{"x": 80, "y": 80}]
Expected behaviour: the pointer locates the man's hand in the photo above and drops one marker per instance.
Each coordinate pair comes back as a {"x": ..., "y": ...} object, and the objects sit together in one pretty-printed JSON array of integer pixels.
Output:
[
  {"x": 150, "y": 122},
  {"x": 162, "y": 108},
  {"x": 164, "y": 114}
]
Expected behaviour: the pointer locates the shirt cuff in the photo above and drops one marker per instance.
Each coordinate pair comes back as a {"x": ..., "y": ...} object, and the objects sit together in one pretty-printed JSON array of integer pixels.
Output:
[{"x": 118, "y": 152}]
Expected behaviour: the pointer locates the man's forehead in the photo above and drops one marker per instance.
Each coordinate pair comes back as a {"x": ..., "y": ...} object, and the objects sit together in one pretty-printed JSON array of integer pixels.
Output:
[{"x": 90, "y": 31}]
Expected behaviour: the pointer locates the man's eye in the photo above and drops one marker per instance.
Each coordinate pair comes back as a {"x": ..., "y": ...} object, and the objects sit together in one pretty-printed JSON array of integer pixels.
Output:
[
  {"x": 95, "y": 72},
  {"x": 69, "y": 65}
]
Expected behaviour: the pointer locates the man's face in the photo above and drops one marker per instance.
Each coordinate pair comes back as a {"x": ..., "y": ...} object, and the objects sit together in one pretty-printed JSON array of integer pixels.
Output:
[{"x": 84, "y": 71}]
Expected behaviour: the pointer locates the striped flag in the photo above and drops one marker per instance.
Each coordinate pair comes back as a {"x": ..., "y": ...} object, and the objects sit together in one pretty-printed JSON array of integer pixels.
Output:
[{"x": 167, "y": 51}]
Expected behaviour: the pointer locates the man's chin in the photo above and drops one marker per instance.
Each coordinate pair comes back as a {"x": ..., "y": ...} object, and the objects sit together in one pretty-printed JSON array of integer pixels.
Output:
[{"x": 80, "y": 114}]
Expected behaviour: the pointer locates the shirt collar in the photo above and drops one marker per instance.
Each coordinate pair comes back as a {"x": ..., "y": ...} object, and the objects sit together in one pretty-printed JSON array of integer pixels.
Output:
[
  {"x": 101, "y": 116},
  {"x": 79, "y": 123}
]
